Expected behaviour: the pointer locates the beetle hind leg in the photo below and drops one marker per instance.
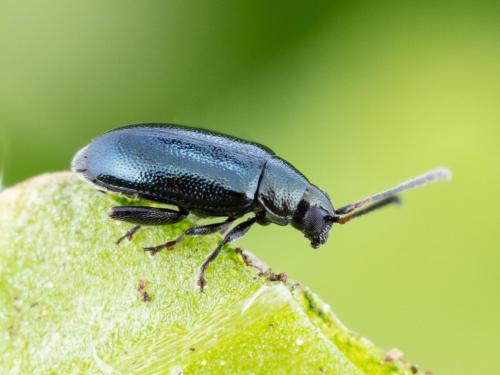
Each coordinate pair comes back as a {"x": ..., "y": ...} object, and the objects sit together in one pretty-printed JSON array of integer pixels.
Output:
[
  {"x": 141, "y": 215},
  {"x": 129, "y": 235}
]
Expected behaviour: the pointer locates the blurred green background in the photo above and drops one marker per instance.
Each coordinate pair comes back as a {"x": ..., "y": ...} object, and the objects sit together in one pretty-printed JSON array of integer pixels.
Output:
[{"x": 358, "y": 96}]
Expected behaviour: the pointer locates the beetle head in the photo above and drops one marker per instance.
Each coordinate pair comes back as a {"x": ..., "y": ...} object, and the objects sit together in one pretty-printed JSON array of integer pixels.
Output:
[{"x": 314, "y": 216}]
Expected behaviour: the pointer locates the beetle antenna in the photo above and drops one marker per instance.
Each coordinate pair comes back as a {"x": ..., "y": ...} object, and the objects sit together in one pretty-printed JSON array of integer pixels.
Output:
[
  {"x": 393, "y": 199},
  {"x": 385, "y": 196}
]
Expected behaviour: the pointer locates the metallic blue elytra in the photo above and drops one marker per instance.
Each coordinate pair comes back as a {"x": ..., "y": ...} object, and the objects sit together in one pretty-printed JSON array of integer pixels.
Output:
[{"x": 207, "y": 173}]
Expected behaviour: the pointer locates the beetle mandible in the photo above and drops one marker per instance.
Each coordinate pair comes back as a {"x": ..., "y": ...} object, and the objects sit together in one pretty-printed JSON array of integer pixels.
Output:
[{"x": 212, "y": 174}]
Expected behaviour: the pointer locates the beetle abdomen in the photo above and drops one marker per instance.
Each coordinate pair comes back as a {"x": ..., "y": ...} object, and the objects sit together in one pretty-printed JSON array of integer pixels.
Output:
[{"x": 196, "y": 170}]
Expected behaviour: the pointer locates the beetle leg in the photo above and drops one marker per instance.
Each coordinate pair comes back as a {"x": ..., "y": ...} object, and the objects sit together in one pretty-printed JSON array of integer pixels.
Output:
[
  {"x": 193, "y": 231},
  {"x": 129, "y": 235},
  {"x": 233, "y": 235},
  {"x": 145, "y": 216}
]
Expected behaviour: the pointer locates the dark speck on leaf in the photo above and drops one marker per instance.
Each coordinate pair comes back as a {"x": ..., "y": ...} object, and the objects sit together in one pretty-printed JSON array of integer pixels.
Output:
[
  {"x": 278, "y": 277},
  {"x": 142, "y": 291}
]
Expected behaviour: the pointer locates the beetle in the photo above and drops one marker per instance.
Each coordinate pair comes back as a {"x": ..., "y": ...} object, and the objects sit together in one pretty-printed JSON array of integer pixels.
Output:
[{"x": 212, "y": 174}]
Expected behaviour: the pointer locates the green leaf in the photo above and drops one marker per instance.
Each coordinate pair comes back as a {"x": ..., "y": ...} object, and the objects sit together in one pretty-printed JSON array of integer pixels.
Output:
[{"x": 72, "y": 301}]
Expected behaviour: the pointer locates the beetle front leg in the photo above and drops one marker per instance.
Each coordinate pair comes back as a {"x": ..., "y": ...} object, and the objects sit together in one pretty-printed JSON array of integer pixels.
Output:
[
  {"x": 233, "y": 235},
  {"x": 141, "y": 215}
]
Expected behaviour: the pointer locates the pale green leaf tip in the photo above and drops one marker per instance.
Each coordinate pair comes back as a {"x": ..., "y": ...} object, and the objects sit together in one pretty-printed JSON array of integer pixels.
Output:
[{"x": 71, "y": 301}]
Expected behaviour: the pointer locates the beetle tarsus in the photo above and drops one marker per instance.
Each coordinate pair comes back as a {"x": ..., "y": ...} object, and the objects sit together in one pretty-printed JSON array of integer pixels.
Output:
[
  {"x": 129, "y": 235},
  {"x": 202, "y": 283},
  {"x": 154, "y": 249},
  {"x": 170, "y": 244}
]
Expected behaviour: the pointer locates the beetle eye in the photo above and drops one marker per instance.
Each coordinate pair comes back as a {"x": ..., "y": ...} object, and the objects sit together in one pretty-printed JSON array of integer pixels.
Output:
[
  {"x": 317, "y": 224},
  {"x": 314, "y": 219}
]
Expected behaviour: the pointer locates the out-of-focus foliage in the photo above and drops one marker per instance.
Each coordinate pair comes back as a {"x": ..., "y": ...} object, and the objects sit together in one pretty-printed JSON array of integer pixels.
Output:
[{"x": 358, "y": 96}]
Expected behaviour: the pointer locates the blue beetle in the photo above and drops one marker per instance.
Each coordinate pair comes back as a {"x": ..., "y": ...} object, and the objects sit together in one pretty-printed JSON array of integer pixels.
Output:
[{"x": 212, "y": 174}]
